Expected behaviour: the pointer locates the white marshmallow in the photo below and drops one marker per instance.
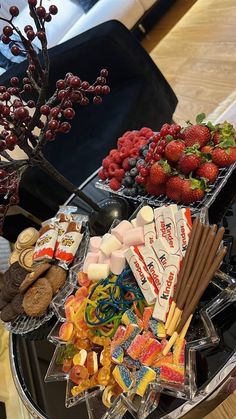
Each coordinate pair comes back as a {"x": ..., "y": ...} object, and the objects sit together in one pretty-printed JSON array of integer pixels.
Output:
[
  {"x": 134, "y": 222},
  {"x": 120, "y": 229},
  {"x": 117, "y": 262},
  {"x": 91, "y": 257},
  {"x": 110, "y": 245},
  {"x": 103, "y": 258},
  {"x": 97, "y": 271},
  {"x": 145, "y": 215}
]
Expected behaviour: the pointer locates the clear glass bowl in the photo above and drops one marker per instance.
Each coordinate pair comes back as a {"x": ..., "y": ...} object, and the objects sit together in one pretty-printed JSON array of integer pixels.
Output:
[{"x": 220, "y": 293}]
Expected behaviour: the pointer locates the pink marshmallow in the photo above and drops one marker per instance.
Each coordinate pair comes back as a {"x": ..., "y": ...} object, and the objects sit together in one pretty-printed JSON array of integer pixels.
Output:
[
  {"x": 118, "y": 262},
  {"x": 103, "y": 258},
  {"x": 94, "y": 244},
  {"x": 120, "y": 229},
  {"x": 91, "y": 257},
  {"x": 134, "y": 237}
]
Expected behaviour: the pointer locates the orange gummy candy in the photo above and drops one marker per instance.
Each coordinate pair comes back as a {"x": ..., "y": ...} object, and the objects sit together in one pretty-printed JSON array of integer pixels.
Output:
[
  {"x": 81, "y": 292},
  {"x": 104, "y": 375},
  {"x": 78, "y": 373}
]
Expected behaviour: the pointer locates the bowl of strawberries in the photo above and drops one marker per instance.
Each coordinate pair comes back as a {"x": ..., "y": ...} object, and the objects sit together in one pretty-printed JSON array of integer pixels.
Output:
[{"x": 185, "y": 164}]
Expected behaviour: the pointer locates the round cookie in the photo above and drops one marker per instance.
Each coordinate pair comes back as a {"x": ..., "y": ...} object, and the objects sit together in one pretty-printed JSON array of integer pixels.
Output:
[
  {"x": 16, "y": 274},
  {"x": 3, "y": 302},
  {"x": 37, "y": 298},
  {"x": 14, "y": 257},
  {"x": 57, "y": 277},
  {"x": 27, "y": 237},
  {"x": 32, "y": 276},
  {"x": 7, "y": 314},
  {"x": 17, "y": 304},
  {"x": 26, "y": 258},
  {"x": 9, "y": 290},
  {"x": 17, "y": 247}
]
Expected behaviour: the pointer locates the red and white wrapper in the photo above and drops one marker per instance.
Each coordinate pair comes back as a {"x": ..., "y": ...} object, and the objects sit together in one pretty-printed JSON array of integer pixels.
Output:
[
  {"x": 141, "y": 274},
  {"x": 162, "y": 250},
  {"x": 184, "y": 225},
  {"x": 171, "y": 229},
  {"x": 159, "y": 222},
  {"x": 153, "y": 265},
  {"x": 69, "y": 244},
  {"x": 45, "y": 245},
  {"x": 149, "y": 234},
  {"x": 167, "y": 288}
]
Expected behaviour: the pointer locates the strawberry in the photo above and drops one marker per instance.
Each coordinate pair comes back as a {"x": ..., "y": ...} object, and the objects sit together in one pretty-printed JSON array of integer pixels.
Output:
[
  {"x": 190, "y": 160},
  {"x": 114, "y": 184},
  {"x": 224, "y": 157},
  {"x": 208, "y": 171},
  {"x": 216, "y": 137},
  {"x": 207, "y": 149},
  {"x": 155, "y": 189},
  {"x": 174, "y": 187},
  {"x": 159, "y": 172},
  {"x": 222, "y": 132},
  {"x": 192, "y": 190},
  {"x": 173, "y": 150},
  {"x": 196, "y": 134}
]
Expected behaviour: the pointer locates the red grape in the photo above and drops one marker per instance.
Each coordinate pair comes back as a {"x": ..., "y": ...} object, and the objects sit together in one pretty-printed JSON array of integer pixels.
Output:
[
  {"x": 5, "y": 39},
  {"x": 65, "y": 127},
  {"x": 7, "y": 30},
  {"x": 41, "y": 35},
  {"x": 85, "y": 85},
  {"x": 14, "y": 81},
  {"x": 69, "y": 113},
  {"x": 55, "y": 112},
  {"x": 53, "y": 9},
  {"x": 75, "y": 81},
  {"x": 48, "y": 17},
  {"x": 50, "y": 135},
  {"x": 30, "y": 35},
  {"x": 31, "y": 103},
  {"x": 45, "y": 110},
  {"x": 6, "y": 111},
  {"x": 28, "y": 28},
  {"x": 60, "y": 84},
  {"x": 15, "y": 50},
  {"x": 97, "y": 100},
  {"x": 41, "y": 11},
  {"x": 32, "y": 2},
  {"x": 14, "y": 11},
  {"x": 53, "y": 124},
  {"x": 104, "y": 72},
  {"x": 21, "y": 113}
]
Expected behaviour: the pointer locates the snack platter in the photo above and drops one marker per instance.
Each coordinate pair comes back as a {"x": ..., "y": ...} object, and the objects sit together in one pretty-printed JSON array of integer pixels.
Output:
[
  {"x": 156, "y": 201},
  {"x": 141, "y": 400},
  {"x": 55, "y": 280}
]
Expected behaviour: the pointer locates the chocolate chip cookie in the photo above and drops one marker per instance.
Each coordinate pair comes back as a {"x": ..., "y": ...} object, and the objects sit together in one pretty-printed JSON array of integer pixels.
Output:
[
  {"x": 57, "y": 277},
  {"x": 8, "y": 314},
  {"x": 37, "y": 298},
  {"x": 33, "y": 276},
  {"x": 16, "y": 304}
]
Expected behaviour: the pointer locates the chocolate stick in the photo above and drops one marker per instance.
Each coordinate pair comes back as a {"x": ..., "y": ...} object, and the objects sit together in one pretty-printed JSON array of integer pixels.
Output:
[
  {"x": 208, "y": 262},
  {"x": 191, "y": 308},
  {"x": 181, "y": 273}
]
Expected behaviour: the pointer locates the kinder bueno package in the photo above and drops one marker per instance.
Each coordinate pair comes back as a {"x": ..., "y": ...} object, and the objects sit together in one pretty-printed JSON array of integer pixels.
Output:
[
  {"x": 69, "y": 244},
  {"x": 149, "y": 234},
  {"x": 141, "y": 274},
  {"x": 45, "y": 245},
  {"x": 64, "y": 217},
  {"x": 167, "y": 288},
  {"x": 171, "y": 229},
  {"x": 159, "y": 222},
  {"x": 153, "y": 265},
  {"x": 162, "y": 250},
  {"x": 184, "y": 225}
]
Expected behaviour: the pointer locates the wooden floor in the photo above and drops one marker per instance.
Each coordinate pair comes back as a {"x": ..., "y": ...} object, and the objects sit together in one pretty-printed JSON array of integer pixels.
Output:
[{"x": 196, "y": 53}]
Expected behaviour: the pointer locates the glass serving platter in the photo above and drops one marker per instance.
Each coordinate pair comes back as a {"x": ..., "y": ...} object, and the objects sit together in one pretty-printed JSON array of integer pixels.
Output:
[
  {"x": 202, "y": 334},
  {"x": 24, "y": 324},
  {"x": 157, "y": 201}
]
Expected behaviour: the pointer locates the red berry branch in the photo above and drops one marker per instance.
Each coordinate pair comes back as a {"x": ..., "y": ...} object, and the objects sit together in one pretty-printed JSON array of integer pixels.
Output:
[{"x": 30, "y": 124}]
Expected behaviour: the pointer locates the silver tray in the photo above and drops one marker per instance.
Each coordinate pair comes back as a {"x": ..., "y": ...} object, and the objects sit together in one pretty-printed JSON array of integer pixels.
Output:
[{"x": 157, "y": 201}]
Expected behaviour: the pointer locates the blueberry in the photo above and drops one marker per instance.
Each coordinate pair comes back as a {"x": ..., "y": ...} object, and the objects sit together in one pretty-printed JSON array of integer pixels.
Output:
[
  {"x": 145, "y": 152},
  {"x": 141, "y": 161},
  {"x": 127, "y": 174},
  {"x": 141, "y": 190},
  {"x": 126, "y": 191},
  {"x": 128, "y": 181},
  {"x": 134, "y": 172},
  {"x": 133, "y": 192},
  {"x": 132, "y": 162}
]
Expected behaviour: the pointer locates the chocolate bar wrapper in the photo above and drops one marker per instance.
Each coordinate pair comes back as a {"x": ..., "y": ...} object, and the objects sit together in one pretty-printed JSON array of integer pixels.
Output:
[
  {"x": 159, "y": 222},
  {"x": 171, "y": 229},
  {"x": 167, "y": 288},
  {"x": 69, "y": 244},
  {"x": 184, "y": 225},
  {"x": 45, "y": 245},
  {"x": 64, "y": 217},
  {"x": 141, "y": 274},
  {"x": 149, "y": 234},
  {"x": 162, "y": 250},
  {"x": 153, "y": 265}
]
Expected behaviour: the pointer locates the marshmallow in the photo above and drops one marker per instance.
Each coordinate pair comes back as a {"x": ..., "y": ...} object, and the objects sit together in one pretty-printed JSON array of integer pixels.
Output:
[
  {"x": 105, "y": 237},
  {"x": 134, "y": 222},
  {"x": 120, "y": 229},
  {"x": 117, "y": 262},
  {"x": 103, "y": 258},
  {"x": 145, "y": 215},
  {"x": 110, "y": 245},
  {"x": 91, "y": 257},
  {"x": 94, "y": 243},
  {"x": 134, "y": 237},
  {"x": 97, "y": 271}
]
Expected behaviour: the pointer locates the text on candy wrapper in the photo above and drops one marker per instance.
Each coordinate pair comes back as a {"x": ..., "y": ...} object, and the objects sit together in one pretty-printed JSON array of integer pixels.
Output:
[
  {"x": 169, "y": 281},
  {"x": 139, "y": 270}
]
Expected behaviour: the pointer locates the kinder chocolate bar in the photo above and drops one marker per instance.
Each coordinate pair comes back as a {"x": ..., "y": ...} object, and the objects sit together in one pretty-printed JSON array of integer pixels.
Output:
[
  {"x": 184, "y": 225},
  {"x": 161, "y": 249},
  {"x": 141, "y": 274},
  {"x": 149, "y": 234},
  {"x": 167, "y": 287},
  {"x": 153, "y": 265},
  {"x": 171, "y": 229},
  {"x": 45, "y": 245},
  {"x": 69, "y": 244},
  {"x": 159, "y": 222}
]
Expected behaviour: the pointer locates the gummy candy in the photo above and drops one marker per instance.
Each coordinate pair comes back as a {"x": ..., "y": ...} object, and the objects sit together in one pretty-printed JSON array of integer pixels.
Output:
[
  {"x": 123, "y": 377},
  {"x": 136, "y": 347},
  {"x": 150, "y": 352},
  {"x": 143, "y": 377}
]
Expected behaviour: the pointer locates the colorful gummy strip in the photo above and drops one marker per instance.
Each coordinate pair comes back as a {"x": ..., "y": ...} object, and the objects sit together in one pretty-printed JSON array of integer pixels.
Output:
[
  {"x": 150, "y": 352},
  {"x": 136, "y": 347},
  {"x": 143, "y": 377},
  {"x": 123, "y": 377},
  {"x": 172, "y": 373},
  {"x": 117, "y": 355},
  {"x": 131, "y": 331}
]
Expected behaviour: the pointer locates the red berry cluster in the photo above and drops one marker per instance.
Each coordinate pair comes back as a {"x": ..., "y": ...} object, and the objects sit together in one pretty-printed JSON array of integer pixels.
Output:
[
  {"x": 9, "y": 189},
  {"x": 123, "y": 159},
  {"x": 180, "y": 162}
]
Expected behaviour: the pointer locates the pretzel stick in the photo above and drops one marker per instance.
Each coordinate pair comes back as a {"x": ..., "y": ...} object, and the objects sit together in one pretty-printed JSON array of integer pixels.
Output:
[
  {"x": 188, "y": 310},
  {"x": 182, "y": 271},
  {"x": 182, "y": 281}
]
